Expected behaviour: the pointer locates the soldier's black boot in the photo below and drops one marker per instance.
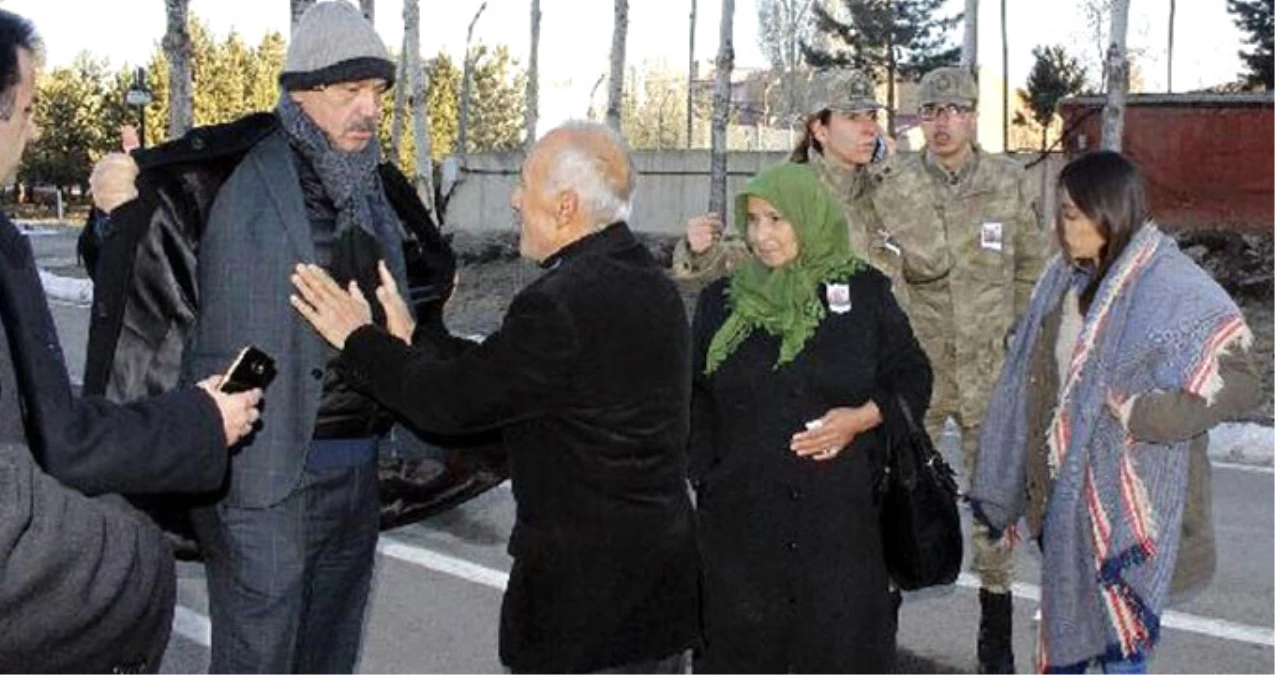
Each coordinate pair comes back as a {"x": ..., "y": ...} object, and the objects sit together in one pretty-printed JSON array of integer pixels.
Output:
[{"x": 995, "y": 632}]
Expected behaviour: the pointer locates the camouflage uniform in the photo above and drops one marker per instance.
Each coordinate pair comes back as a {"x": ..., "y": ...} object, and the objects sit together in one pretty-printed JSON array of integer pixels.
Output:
[
  {"x": 972, "y": 249},
  {"x": 843, "y": 90}
]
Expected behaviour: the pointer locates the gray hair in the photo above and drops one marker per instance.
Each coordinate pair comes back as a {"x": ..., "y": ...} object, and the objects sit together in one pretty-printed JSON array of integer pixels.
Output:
[{"x": 583, "y": 170}]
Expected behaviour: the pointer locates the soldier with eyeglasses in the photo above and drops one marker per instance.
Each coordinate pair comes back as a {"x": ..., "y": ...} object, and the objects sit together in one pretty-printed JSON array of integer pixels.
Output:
[{"x": 971, "y": 251}]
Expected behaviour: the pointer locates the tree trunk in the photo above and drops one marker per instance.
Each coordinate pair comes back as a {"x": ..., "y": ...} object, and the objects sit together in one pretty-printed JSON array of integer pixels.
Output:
[
  {"x": 1004, "y": 78},
  {"x": 1117, "y": 78},
  {"x": 424, "y": 178},
  {"x": 615, "y": 88},
  {"x": 368, "y": 8},
  {"x": 181, "y": 88},
  {"x": 533, "y": 77},
  {"x": 690, "y": 85},
  {"x": 1173, "y": 10},
  {"x": 969, "y": 48},
  {"x": 721, "y": 110},
  {"x": 298, "y": 8},
  {"x": 467, "y": 77},
  {"x": 891, "y": 68},
  {"x": 400, "y": 97}
]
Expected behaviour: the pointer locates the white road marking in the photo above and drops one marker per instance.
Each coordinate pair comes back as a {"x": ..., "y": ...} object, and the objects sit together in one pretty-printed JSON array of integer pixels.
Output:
[
  {"x": 193, "y": 626},
  {"x": 446, "y": 564},
  {"x": 1249, "y": 468},
  {"x": 1202, "y": 625}
]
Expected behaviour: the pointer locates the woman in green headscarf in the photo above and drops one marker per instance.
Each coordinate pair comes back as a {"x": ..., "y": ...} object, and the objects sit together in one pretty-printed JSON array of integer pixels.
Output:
[{"x": 800, "y": 356}]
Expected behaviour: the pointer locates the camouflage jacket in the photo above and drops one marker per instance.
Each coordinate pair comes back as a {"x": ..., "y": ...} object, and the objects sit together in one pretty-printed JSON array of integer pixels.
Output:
[{"x": 971, "y": 251}]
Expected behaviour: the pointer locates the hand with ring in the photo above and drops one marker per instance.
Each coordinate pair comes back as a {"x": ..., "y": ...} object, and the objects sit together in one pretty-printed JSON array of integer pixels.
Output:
[{"x": 826, "y": 437}]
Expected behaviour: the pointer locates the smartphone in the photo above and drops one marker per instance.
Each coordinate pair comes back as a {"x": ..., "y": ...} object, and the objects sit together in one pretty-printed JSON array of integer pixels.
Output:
[
  {"x": 252, "y": 369},
  {"x": 878, "y": 150}
]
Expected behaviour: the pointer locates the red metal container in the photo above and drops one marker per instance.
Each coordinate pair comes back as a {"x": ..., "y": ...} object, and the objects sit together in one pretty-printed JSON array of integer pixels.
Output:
[{"x": 1209, "y": 158}]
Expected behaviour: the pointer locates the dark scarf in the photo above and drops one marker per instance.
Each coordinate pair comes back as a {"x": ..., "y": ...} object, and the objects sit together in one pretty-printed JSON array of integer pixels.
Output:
[{"x": 351, "y": 182}]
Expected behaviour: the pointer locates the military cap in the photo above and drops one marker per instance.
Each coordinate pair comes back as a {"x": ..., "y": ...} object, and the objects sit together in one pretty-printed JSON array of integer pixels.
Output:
[
  {"x": 942, "y": 86},
  {"x": 844, "y": 89}
]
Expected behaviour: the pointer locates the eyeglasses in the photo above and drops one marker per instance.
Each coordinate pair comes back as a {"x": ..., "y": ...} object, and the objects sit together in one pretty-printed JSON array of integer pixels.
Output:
[{"x": 931, "y": 112}]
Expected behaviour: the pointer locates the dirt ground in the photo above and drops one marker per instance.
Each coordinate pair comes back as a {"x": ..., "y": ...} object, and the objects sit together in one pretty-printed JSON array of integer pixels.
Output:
[{"x": 491, "y": 273}]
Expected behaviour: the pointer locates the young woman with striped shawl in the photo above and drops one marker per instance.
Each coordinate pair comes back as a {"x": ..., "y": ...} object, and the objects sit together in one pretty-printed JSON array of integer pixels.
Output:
[{"x": 1096, "y": 432}]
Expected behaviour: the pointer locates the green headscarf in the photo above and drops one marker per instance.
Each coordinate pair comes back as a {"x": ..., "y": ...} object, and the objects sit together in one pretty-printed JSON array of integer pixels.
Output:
[{"x": 785, "y": 301}]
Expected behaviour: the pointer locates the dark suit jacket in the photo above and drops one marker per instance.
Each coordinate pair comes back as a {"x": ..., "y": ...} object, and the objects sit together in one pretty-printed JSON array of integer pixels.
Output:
[
  {"x": 589, "y": 379},
  {"x": 257, "y": 233},
  {"x": 86, "y": 585},
  {"x": 88, "y": 443}
]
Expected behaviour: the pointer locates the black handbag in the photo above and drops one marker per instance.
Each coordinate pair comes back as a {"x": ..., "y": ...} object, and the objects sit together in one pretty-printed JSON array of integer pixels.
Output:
[{"x": 920, "y": 524}]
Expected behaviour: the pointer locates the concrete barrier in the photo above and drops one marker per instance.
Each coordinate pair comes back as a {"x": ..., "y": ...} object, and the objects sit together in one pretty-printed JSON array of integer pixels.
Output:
[{"x": 672, "y": 186}]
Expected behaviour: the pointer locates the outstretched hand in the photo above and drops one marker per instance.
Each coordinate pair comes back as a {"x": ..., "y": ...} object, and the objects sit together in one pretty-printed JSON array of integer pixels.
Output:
[
  {"x": 398, "y": 318},
  {"x": 335, "y": 313}
]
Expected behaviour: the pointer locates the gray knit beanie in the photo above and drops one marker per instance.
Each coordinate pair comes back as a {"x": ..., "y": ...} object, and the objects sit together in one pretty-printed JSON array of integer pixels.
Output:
[{"x": 333, "y": 42}]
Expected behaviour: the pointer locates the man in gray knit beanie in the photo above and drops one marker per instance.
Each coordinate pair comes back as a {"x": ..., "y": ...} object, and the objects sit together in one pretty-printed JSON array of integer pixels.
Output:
[{"x": 290, "y": 542}]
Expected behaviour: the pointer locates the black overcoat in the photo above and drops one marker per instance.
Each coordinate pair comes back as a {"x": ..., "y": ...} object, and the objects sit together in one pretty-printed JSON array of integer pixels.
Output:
[
  {"x": 794, "y": 579},
  {"x": 588, "y": 380}
]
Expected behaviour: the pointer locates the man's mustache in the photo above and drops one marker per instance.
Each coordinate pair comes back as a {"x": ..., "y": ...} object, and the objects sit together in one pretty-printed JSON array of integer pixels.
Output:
[{"x": 366, "y": 124}]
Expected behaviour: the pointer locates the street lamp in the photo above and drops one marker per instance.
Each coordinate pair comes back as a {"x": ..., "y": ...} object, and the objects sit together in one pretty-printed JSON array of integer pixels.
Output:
[{"x": 139, "y": 96}]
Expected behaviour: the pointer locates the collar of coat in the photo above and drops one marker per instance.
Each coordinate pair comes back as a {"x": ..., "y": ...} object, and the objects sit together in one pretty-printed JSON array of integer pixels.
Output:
[
  {"x": 845, "y": 184},
  {"x": 613, "y": 237}
]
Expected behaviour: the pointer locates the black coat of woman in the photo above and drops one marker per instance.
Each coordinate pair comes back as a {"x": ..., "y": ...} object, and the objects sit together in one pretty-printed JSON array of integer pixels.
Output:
[{"x": 794, "y": 575}]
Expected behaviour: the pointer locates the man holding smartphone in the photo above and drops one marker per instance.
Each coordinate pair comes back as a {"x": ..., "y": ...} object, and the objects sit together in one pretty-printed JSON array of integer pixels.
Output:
[{"x": 87, "y": 584}]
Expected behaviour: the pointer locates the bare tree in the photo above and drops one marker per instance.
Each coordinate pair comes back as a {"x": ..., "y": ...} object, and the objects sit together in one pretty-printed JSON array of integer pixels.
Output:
[
  {"x": 969, "y": 47},
  {"x": 424, "y": 179},
  {"x": 721, "y": 109},
  {"x": 181, "y": 88},
  {"x": 593, "y": 92},
  {"x": 1096, "y": 13},
  {"x": 691, "y": 75},
  {"x": 467, "y": 80},
  {"x": 783, "y": 26},
  {"x": 298, "y": 8},
  {"x": 1117, "y": 77},
  {"x": 400, "y": 95},
  {"x": 1004, "y": 78},
  {"x": 533, "y": 77},
  {"x": 1173, "y": 10},
  {"x": 615, "y": 89},
  {"x": 368, "y": 7}
]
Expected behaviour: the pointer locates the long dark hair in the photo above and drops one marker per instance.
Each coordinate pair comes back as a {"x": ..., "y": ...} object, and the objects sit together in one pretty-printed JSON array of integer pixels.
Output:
[
  {"x": 808, "y": 142},
  {"x": 1111, "y": 192}
]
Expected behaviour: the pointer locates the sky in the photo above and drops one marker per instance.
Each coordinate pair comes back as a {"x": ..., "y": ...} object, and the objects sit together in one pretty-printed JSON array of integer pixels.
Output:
[{"x": 575, "y": 37}]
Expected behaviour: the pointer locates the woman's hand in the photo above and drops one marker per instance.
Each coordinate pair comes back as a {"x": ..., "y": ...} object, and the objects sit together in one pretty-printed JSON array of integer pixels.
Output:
[
  {"x": 333, "y": 312},
  {"x": 827, "y": 436},
  {"x": 398, "y": 318}
]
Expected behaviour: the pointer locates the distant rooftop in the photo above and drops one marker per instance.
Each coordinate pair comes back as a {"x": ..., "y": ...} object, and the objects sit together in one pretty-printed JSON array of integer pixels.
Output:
[{"x": 1260, "y": 98}]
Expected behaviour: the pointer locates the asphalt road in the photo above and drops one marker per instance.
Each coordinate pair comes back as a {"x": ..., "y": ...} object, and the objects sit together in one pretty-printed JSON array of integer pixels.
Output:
[{"x": 438, "y": 584}]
